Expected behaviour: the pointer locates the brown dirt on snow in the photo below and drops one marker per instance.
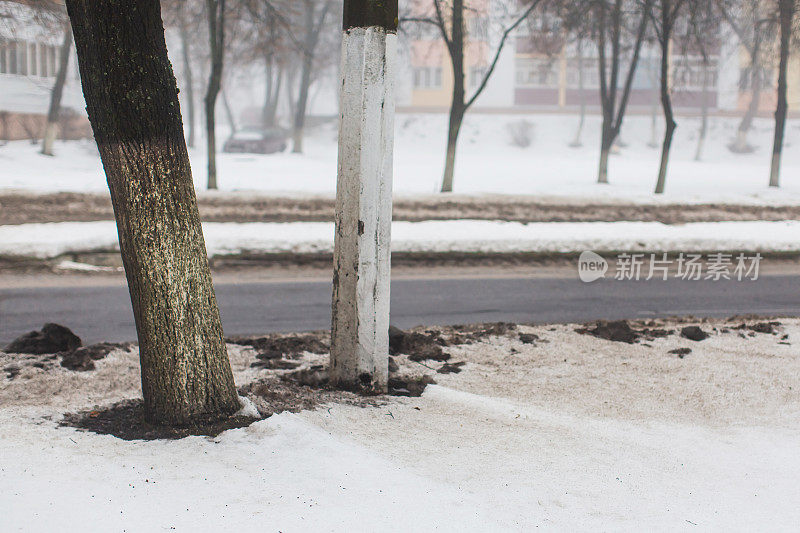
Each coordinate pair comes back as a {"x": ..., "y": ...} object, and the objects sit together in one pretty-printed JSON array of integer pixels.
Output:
[{"x": 21, "y": 208}]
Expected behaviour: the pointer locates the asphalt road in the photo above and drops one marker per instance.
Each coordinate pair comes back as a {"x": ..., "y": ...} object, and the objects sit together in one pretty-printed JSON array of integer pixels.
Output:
[{"x": 104, "y": 314}]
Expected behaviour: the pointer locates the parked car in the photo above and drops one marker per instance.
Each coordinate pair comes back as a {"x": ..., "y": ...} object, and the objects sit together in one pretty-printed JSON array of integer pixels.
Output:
[{"x": 257, "y": 141}]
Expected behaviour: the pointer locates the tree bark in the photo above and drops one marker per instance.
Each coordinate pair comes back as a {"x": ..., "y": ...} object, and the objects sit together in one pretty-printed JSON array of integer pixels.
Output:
[
  {"x": 786, "y": 14},
  {"x": 132, "y": 103},
  {"x": 51, "y": 129},
  {"x": 216, "y": 37}
]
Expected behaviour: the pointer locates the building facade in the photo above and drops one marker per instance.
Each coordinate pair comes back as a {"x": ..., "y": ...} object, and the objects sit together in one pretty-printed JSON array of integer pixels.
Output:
[
  {"x": 30, "y": 43},
  {"x": 541, "y": 69}
]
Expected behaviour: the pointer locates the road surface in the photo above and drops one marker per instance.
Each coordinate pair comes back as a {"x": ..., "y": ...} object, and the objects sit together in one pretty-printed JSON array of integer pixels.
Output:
[{"x": 103, "y": 313}]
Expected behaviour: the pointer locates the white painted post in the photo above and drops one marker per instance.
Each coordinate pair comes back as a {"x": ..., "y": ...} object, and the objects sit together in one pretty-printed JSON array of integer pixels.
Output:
[{"x": 362, "y": 250}]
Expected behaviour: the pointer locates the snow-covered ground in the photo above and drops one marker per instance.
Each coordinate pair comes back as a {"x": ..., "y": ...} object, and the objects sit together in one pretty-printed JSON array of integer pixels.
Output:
[
  {"x": 225, "y": 238},
  {"x": 487, "y": 163},
  {"x": 571, "y": 433}
]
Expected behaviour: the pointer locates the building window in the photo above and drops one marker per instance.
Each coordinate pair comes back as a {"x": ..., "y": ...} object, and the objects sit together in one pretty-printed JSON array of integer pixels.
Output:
[
  {"x": 427, "y": 77},
  {"x": 541, "y": 73},
  {"x": 589, "y": 68}
]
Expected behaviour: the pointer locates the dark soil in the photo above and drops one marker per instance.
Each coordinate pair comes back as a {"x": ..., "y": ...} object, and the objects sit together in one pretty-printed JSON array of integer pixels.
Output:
[
  {"x": 694, "y": 333},
  {"x": 428, "y": 344},
  {"x": 622, "y": 331},
  {"x": 125, "y": 420},
  {"x": 316, "y": 377},
  {"x": 761, "y": 327},
  {"x": 276, "y": 345},
  {"x": 52, "y": 338},
  {"x": 451, "y": 368},
  {"x": 82, "y": 359},
  {"x": 681, "y": 352}
]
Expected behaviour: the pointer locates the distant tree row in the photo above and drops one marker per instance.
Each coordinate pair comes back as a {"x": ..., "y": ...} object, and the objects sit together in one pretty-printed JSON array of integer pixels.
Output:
[
  {"x": 618, "y": 31},
  {"x": 290, "y": 39}
]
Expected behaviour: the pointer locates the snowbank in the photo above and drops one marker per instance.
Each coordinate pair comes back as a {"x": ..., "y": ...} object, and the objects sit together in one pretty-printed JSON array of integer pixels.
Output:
[
  {"x": 52, "y": 240},
  {"x": 571, "y": 433},
  {"x": 487, "y": 163}
]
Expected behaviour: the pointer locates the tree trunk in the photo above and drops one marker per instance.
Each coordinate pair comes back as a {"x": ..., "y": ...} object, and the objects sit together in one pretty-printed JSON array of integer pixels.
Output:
[
  {"x": 309, "y": 50},
  {"x": 704, "y": 105},
  {"x": 188, "y": 76},
  {"x": 666, "y": 100},
  {"x": 272, "y": 112},
  {"x": 453, "y": 130},
  {"x": 457, "y": 105},
  {"x": 132, "y": 103},
  {"x": 606, "y": 142},
  {"x": 51, "y": 129},
  {"x": 360, "y": 306},
  {"x": 787, "y": 8},
  {"x": 302, "y": 102},
  {"x": 269, "y": 82},
  {"x": 216, "y": 37}
]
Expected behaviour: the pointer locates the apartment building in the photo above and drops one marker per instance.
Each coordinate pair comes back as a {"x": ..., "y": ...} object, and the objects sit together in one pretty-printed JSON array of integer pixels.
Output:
[
  {"x": 30, "y": 42},
  {"x": 541, "y": 69}
]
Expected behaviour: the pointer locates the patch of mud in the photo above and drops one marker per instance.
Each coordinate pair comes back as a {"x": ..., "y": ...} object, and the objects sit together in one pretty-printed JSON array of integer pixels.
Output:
[
  {"x": 125, "y": 420},
  {"x": 427, "y": 344},
  {"x": 621, "y": 331},
  {"x": 400, "y": 383},
  {"x": 285, "y": 345},
  {"x": 280, "y": 351}
]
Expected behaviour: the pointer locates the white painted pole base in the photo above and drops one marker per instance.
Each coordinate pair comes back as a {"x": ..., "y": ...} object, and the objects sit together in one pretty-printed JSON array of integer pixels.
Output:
[{"x": 362, "y": 249}]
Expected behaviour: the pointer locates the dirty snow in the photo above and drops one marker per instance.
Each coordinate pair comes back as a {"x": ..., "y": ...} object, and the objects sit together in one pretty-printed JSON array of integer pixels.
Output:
[
  {"x": 571, "y": 433},
  {"x": 487, "y": 162}
]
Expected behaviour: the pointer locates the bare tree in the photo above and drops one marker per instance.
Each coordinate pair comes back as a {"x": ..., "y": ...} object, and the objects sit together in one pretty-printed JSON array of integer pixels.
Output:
[
  {"x": 215, "y": 11},
  {"x": 54, "y": 112},
  {"x": 664, "y": 14},
  {"x": 755, "y": 32},
  {"x": 449, "y": 18},
  {"x": 186, "y": 16},
  {"x": 702, "y": 36},
  {"x": 132, "y": 102},
  {"x": 617, "y": 22},
  {"x": 786, "y": 15},
  {"x": 314, "y": 15}
]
